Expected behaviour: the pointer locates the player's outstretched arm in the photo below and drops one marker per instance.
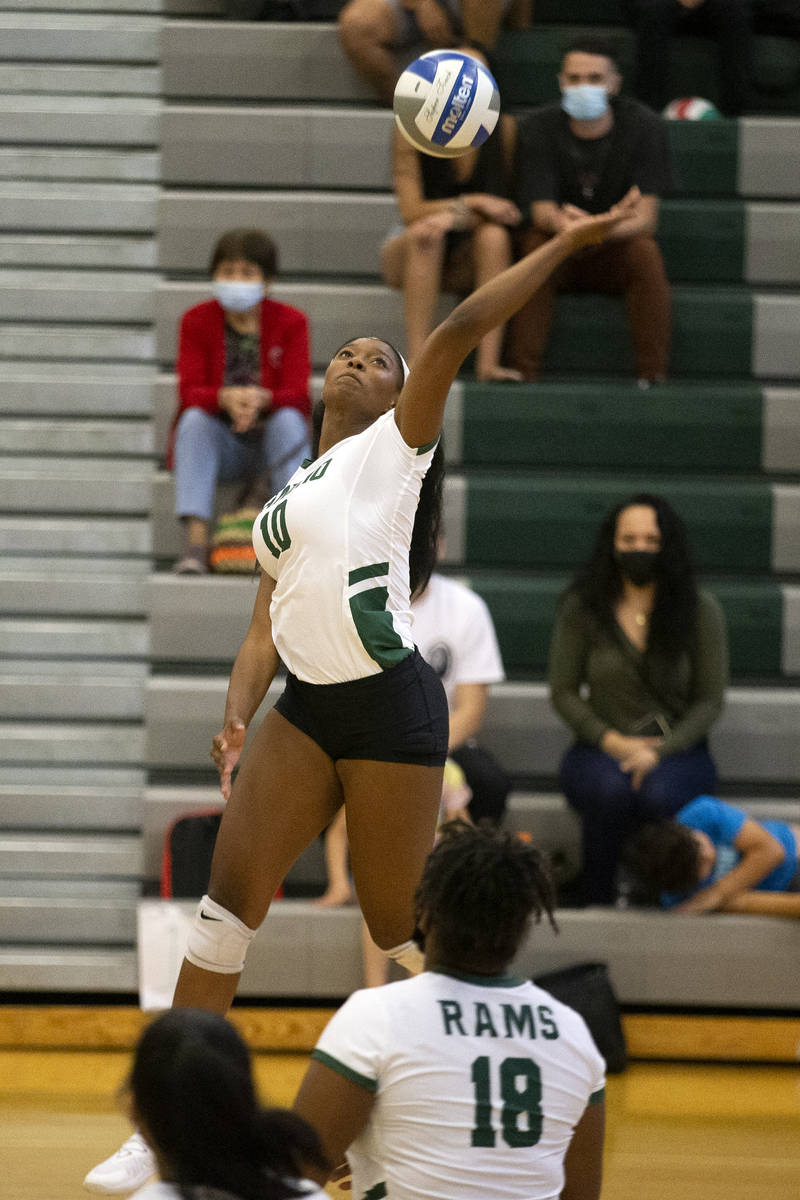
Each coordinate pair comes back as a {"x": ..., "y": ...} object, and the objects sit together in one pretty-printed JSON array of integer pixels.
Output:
[
  {"x": 253, "y": 672},
  {"x": 421, "y": 405}
]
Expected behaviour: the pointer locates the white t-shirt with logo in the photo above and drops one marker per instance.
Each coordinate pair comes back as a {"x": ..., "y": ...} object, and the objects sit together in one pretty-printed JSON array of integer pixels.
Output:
[
  {"x": 336, "y": 540},
  {"x": 479, "y": 1084},
  {"x": 454, "y": 631}
]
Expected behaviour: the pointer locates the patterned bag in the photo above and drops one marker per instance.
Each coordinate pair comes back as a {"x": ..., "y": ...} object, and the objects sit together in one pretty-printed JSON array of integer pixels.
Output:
[{"x": 232, "y": 550}]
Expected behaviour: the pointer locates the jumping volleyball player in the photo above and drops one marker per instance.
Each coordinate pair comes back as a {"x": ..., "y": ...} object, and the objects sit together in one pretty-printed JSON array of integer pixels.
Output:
[{"x": 363, "y": 719}]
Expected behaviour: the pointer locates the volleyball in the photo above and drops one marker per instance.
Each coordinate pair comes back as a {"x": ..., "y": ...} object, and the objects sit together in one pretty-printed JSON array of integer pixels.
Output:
[
  {"x": 446, "y": 103},
  {"x": 691, "y": 108}
]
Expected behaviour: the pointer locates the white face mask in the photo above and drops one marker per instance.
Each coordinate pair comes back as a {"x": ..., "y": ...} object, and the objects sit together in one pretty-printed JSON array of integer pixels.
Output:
[
  {"x": 585, "y": 101},
  {"x": 237, "y": 295}
]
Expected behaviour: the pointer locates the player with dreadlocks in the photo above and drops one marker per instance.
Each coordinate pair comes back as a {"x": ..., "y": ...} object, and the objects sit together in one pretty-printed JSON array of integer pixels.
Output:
[{"x": 465, "y": 1080}]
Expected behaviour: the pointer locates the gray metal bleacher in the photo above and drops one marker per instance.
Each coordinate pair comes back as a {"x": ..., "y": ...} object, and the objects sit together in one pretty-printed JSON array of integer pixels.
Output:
[{"x": 262, "y": 125}]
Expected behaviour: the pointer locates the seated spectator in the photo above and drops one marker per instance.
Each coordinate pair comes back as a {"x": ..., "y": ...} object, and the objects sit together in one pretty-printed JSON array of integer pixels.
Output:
[
  {"x": 192, "y": 1096},
  {"x": 581, "y": 156},
  {"x": 728, "y": 22},
  {"x": 457, "y": 233},
  {"x": 243, "y": 390},
  {"x": 638, "y": 669},
  {"x": 454, "y": 631},
  {"x": 373, "y": 32},
  {"x": 464, "y": 1081},
  {"x": 714, "y": 858}
]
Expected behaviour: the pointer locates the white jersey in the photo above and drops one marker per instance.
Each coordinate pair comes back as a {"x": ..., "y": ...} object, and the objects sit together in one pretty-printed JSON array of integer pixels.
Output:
[
  {"x": 455, "y": 634},
  {"x": 479, "y": 1084},
  {"x": 336, "y": 541}
]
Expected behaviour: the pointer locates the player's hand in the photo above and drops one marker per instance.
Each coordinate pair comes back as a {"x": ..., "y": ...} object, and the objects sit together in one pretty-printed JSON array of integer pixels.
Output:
[{"x": 226, "y": 749}]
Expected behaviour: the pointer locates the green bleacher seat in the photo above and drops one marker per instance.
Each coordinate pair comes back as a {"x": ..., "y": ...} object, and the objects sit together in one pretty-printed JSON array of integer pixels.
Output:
[
  {"x": 523, "y": 609},
  {"x": 551, "y": 521},
  {"x": 712, "y": 332},
  {"x": 705, "y": 157},
  {"x": 703, "y": 241},
  {"x": 597, "y": 424}
]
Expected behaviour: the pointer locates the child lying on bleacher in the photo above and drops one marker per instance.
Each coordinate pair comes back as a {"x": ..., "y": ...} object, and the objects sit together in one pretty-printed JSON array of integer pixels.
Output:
[{"x": 712, "y": 856}]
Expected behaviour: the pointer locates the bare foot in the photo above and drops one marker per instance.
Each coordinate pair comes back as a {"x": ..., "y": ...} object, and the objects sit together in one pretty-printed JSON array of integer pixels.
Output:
[
  {"x": 499, "y": 375},
  {"x": 334, "y": 898}
]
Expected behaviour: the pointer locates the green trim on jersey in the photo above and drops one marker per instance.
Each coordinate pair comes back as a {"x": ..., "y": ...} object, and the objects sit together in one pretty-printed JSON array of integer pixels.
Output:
[
  {"x": 597, "y": 1097},
  {"x": 370, "y": 1085},
  {"x": 429, "y": 446},
  {"x": 378, "y": 1192},
  {"x": 373, "y": 571},
  {"x": 376, "y": 629},
  {"x": 492, "y": 981}
]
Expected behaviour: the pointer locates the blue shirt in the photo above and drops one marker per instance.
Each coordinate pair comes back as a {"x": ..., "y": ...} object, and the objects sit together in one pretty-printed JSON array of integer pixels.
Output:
[{"x": 722, "y": 823}]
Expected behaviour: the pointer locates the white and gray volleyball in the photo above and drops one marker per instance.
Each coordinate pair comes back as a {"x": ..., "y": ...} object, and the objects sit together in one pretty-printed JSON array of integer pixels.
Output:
[{"x": 446, "y": 103}]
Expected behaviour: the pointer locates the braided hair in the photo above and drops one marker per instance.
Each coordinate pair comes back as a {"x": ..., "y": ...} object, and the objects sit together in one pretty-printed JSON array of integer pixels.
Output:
[{"x": 480, "y": 889}]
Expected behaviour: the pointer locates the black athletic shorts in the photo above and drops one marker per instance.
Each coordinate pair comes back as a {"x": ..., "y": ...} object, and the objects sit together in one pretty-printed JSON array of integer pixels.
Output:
[{"x": 397, "y": 715}]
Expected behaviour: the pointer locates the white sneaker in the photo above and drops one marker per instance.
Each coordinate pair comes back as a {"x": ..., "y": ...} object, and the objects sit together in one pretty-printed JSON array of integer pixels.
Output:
[{"x": 128, "y": 1169}]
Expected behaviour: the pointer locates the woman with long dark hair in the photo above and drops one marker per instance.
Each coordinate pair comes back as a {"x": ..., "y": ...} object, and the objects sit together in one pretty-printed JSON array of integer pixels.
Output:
[
  {"x": 192, "y": 1095},
  {"x": 363, "y": 719},
  {"x": 638, "y": 670}
]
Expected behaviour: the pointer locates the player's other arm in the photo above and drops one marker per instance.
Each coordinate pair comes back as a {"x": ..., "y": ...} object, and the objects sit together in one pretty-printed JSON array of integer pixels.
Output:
[
  {"x": 253, "y": 672},
  {"x": 583, "y": 1164},
  {"x": 337, "y": 1108},
  {"x": 420, "y": 408}
]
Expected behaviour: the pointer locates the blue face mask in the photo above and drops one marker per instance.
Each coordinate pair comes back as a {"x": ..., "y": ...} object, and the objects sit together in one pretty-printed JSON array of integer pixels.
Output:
[
  {"x": 585, "y": 102},
  {"x": 237, "y": 295}
]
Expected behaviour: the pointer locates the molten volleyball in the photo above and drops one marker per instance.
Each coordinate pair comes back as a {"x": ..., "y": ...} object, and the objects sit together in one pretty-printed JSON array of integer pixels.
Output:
[{"x": 446, "y": 103}]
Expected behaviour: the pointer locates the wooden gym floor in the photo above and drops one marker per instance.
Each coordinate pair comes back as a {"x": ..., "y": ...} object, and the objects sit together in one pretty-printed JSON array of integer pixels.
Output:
[{"x": 676, "y": 1131}]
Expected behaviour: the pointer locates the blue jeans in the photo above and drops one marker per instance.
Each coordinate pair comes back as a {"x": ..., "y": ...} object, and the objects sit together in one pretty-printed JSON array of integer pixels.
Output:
[
  {"x": 610, "y": 810},
  {"x": 207, "y": 452}
]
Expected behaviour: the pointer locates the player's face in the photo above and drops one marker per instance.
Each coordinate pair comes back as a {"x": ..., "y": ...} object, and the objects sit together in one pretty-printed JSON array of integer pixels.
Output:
[
  {"x": 367, "y": 369},
  {"x": 578, "y": 68},
  {"x": 637, "y": 529}
]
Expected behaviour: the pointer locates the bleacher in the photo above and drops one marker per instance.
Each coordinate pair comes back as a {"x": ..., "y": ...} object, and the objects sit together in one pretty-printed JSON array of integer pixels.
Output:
[{"x": 131, "y": 137}]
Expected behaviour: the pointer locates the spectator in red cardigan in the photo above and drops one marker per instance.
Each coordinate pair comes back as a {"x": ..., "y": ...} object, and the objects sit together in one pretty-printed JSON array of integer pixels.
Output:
[{"x": 243, "y": 391}]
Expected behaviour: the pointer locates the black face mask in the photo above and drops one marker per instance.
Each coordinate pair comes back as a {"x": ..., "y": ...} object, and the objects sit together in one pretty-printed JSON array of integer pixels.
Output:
[{"x": 639, "y": 566}]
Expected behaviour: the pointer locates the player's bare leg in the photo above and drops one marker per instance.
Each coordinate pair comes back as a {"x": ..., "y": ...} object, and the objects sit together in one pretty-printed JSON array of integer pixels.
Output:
[{"x": 285, "y": 794}]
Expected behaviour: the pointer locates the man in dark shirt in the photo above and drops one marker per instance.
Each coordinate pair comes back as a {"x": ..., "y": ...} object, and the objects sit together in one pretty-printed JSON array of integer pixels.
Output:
[{"x": 583, "y": 156}]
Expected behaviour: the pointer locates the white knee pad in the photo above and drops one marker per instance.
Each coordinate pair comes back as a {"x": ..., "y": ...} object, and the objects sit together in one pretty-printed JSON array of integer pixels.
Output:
[
  {"x": 409, "y": 955},
  {"x": 218, "y": 940}
]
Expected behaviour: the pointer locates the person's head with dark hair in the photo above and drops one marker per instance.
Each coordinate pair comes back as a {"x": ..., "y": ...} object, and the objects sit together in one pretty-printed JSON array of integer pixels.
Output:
[
  {"x": 665, "y": 856},
  {"x": 366, "y": 375},
  {"x": 243, "y": 264},
  {"x": 589, "y": 76},
  {"x": 643, "y": 540},
  {"x": 193, "y": 1097},
  {"x": 480, "y": 890},
  {"x": 599, "y": 47},
  {"x": 251, "y": 246}
]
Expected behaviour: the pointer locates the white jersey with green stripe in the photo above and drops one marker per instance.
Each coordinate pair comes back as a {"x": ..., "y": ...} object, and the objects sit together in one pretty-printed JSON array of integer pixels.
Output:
[
  {"x": 336, "y": 541},
  {"x": 479, "y": 1084}
]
